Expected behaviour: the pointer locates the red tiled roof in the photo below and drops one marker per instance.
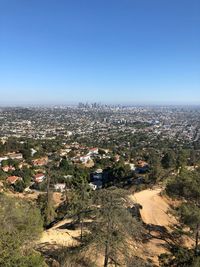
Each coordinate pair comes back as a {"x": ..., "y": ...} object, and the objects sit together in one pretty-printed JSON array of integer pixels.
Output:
[
  {"x": 38, "y": 175},
  {"x": 93, "y": 149},
  {"x": 13, "y": 179}
]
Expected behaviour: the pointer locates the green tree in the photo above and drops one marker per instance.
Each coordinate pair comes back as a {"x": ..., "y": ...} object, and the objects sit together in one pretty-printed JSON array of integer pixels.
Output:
[
  {"x": 26, "y": 152},
  {"x": 181, "y": 160},
  {"x": 168, "y": 160},
  {"x": 3, "y": 175},
  {"x": 113, "y": 227},
  {"x": 189, "y": 215},
  {"x": 80, "y": 203},
  {"x": 186, "y": 186},
  {"x": 20, "y": 226},
  {"x": 19, "y": 186},
  {"x": 4, "y": 163},
  {"x": 179, "y": 257},
  {"x": 45, "y": 202}
]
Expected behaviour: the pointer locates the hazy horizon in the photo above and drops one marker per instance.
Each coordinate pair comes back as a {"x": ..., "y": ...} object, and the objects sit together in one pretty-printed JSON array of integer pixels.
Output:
[{"x": 123, "y": 104}]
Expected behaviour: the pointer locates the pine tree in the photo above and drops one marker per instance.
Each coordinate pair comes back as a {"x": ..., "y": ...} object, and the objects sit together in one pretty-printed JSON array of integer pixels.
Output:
[{"x": 113, "y": 228}]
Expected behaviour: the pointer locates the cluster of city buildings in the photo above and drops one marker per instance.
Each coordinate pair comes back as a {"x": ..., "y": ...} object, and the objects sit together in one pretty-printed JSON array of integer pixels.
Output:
[{"x": 100, "y": 121}]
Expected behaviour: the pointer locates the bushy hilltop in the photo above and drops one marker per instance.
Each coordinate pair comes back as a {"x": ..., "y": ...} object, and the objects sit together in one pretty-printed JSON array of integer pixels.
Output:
[{"x": 89, "y": 186}]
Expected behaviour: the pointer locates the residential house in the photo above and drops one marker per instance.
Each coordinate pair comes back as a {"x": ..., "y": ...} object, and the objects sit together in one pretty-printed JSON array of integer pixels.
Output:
[
  {"x": 98, "y": 174},
  {"x": 93, "y": 151},
  {"x": 60, "y": 187},
  {"x": 40, "y": 162},
  {"x": 13, "y": 179},
  {"x": 39, "y": 178},
  {"x": 85, "y": 159},
  {"x": 96, "y": 184},
  {"x": 33, "y": 151},
  {"x": 8, "y": 168},
  {"x": 142, "y": 167},
  {"x": 15, "y": 155}
]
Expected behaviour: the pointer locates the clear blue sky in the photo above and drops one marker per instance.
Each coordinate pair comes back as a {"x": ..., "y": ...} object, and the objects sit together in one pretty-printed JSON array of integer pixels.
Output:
[{"x": 114, "y": 51}]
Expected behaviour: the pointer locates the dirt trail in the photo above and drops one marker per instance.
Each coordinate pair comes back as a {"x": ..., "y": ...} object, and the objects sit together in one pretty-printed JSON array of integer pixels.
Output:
[
  {"x": 58, "y": 235},
  {"x": 155, "y": 209},
  {"x": 155, "y": 212}
]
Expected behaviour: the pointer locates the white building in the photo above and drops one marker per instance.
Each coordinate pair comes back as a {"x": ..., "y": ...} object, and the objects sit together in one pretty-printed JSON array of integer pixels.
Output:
[{"x": 60, "y": 187}]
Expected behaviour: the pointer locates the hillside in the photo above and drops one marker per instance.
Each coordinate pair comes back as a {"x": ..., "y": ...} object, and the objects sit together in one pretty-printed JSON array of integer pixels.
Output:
[{"x": 154, "y": 213}]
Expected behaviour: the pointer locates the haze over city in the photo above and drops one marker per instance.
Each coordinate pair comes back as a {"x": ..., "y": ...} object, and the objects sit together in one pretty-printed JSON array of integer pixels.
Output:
[{"x": 124, "y": 52}]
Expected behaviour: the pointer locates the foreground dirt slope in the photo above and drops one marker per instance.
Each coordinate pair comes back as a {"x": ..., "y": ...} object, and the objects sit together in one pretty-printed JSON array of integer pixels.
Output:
[
  {"x": 154, "y": 212},
  {"x": 58, "y": 236},
  {"x": 155, "y": 208}
]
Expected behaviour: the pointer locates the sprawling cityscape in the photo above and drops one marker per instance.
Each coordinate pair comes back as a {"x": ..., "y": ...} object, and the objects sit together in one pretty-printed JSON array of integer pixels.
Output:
[
  {"x": 100, "y": 133},
  {"x": 62, "y": 158},
  {"x": 99, "y": 123}
]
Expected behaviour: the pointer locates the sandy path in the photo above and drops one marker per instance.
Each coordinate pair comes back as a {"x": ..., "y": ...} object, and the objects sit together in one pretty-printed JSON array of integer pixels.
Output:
[
  {"x": 58, "y": 236},
  {"x": 155, "y": 209}
]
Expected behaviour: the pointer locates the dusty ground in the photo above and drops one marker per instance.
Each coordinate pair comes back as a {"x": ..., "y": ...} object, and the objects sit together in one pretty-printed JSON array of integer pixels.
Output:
[
  {"x": 155, "y": 208},
  {"x": 57, "y": 196},
  {"x": 89, "y": 164},
  {"x": 58, "y": 235},
  {"x": 28, "y": 196},
  {"x": 155, "y": 212}
]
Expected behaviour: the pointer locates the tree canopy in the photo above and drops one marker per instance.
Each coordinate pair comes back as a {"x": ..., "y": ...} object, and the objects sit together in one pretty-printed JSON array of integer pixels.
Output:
[{"x": 20, "y": 226}]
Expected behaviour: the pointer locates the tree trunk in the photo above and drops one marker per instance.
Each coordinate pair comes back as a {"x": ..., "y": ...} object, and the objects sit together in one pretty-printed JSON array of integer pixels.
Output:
[
  {"x": 66, "y": 194},
  {"x": 81, "y": 222},
  {"x": 197, "y": 239},
  {"x": 106, "y": 258},
  {"x": 48, "y": 212},
  {"x": 48, "y": 188}
]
